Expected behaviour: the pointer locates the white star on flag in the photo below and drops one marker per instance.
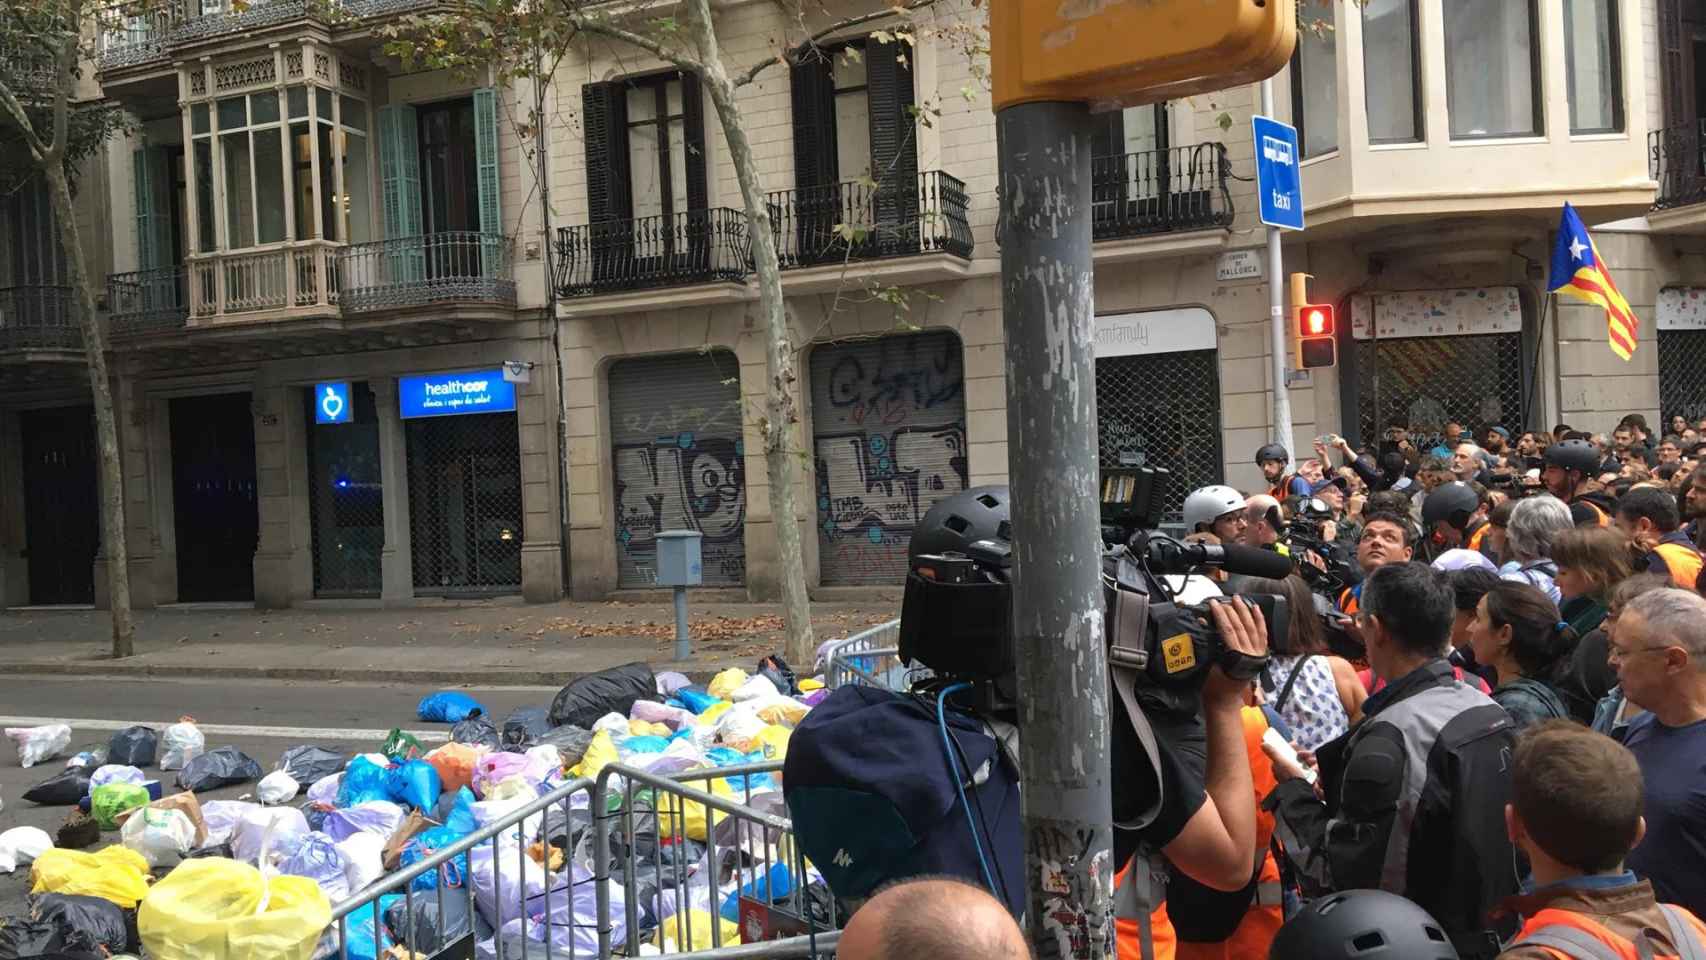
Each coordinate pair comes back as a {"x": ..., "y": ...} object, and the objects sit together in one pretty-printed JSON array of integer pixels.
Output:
[{"x": 1576, "y": 247}]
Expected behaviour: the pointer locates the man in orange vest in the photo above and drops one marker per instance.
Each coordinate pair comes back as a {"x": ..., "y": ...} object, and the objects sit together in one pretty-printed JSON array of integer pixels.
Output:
[
  {"x": 1650, "y": 517},
  {"x": 1575, "y": 809},
  {"x": 1568, "y": 468}
]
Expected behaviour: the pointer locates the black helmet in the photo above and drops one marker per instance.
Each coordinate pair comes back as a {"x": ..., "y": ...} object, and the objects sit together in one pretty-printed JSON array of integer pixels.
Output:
[
  {"x": 1579, "y": 455},
  {"x": 1271, "y": 451},
  {"x": 956, "y": 522},
  {"x": 1366, "y": 924},
  {"x": 1452, "y": 502}
]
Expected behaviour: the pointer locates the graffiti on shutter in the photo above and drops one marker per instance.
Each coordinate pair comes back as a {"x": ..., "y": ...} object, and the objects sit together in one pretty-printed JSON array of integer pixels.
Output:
[
  {"x": 889, "y": 440},
  {"x": 679, "y": 462}
]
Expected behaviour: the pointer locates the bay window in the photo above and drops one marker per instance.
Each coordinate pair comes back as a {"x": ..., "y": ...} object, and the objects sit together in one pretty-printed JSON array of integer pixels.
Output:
[
  {"x": 1492, "y": 68},
  {"x": 1315, "y": 82},
  {"x": 1391, "y": 71},
  {"x": 1591, "y": 58}
]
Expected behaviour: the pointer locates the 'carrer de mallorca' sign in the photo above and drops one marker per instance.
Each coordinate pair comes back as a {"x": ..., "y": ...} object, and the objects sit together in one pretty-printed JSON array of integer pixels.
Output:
[{"x": 449, "y": 394}]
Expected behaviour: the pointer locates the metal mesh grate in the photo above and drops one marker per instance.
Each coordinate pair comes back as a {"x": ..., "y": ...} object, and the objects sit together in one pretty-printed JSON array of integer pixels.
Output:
[
  {"x": 1425, "y": 382},
  {"x": 1161, "y": 410},
  {"x": 1682, "y": 373},
  {"x": 346, "y": 505},
  {"x": 465, "y": 503}
]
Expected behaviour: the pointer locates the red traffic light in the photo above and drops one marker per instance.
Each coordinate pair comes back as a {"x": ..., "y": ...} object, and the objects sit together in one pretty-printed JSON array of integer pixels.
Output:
[{"x": 1317, "y": 321}]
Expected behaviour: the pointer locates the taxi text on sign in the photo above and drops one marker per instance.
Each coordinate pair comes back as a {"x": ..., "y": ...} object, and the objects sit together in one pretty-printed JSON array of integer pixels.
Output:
[{"x": 1131, "y": 52}]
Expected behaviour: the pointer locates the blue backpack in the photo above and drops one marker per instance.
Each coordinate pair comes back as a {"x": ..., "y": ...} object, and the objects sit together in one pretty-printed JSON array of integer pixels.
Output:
[{"x": 868, "y": 786}]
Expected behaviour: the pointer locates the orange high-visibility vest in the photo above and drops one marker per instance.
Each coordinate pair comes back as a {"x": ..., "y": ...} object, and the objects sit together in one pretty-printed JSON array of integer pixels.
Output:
[
  {"x": 1568, "y": 935},
  {"x": 1684, "y": 563},
  {"x": 1476, "y": 538},
  {"x": 1599, "y": 515}
]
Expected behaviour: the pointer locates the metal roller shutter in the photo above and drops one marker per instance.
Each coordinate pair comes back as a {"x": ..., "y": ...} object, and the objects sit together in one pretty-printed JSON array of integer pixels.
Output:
[
  {"x": 1682, "y": 352},
  {"x": 679, "y": 462},
  {"x": 889, "y": 440},
  {"x": 1161, "y": 410}
]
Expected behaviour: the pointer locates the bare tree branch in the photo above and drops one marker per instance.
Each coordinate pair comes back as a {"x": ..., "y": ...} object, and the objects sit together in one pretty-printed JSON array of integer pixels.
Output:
[
  {"x": 580, "y": 21},
  {"x": 792, "y": 55}
]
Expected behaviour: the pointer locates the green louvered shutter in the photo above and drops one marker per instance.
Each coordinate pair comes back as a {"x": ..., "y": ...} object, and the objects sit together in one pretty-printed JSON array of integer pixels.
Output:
[
  {"x": 400, "y": 188},
  {"x": 486, "y": 167},
  {"x": 148, "y": 252}
]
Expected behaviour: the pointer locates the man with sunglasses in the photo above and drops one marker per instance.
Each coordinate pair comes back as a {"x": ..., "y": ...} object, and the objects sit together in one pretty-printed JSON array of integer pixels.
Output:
[{"x": 1659, "y": 652}]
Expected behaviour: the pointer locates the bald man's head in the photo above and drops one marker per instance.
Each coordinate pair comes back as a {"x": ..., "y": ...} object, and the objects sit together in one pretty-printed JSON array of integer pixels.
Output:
[{"x": 939, "y": 917}]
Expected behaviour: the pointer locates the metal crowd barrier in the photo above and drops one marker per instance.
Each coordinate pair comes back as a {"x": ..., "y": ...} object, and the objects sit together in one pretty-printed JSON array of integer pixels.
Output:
[
  {"x": 868, "y": 658},
  {"x": 647, "y": 828}
]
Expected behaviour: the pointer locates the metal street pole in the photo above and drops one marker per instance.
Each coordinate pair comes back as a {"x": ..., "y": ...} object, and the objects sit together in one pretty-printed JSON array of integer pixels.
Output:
[
  {"x": 1276, "y": 318},
  {"x": 1047, "y": 309}
]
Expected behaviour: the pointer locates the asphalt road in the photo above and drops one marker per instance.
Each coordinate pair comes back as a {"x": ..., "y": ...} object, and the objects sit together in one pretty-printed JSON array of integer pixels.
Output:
[{"x": 261, "y": 718}]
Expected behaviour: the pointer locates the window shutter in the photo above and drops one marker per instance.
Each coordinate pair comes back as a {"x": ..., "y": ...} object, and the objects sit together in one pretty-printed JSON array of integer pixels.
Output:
[
  {"x": 604, "y": 119},
  {"x": 693, "y": 124},
  {"x": 486, "y": 165},
  {"x": 894, "y": 148},
  {"x": 813, "y": 89},
  {"x": 147, "y": 227},
  {"x": 400, "y": 189}
]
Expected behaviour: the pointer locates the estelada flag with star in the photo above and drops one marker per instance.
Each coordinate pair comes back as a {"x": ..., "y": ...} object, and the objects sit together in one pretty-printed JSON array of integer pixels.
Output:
[{"x": 1578, "y": 271}]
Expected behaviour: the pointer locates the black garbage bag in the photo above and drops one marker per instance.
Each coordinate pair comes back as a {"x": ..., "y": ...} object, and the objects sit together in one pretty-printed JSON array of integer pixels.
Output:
[
  {"x": 566, "y": 828},
  {"x": 646, "y": 887},
  {"x": 133, "y": 746},
  {"x": 432, "y": 932},
  {"x": 212, "y": 850},
  {"x": 22, "y": 939},
  {"x": 476, "y": 731},
  {"x": 587, "y": 698},
  {"x": 777, "y": 671},
  {"x": 79, "y": 832},
  {"x": 524, "y": 727},
  {"x": 85, "y": 923},
  {"x": 571, "y": 742},
  {"x": 218, "y": 768},
  {"x": 307, "y": 764},
  {"x": 62, "y": 789}
]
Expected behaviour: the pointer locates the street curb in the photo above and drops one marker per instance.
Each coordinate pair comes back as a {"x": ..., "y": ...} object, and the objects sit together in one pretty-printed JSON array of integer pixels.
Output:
[{"x": 463, "y": 677}]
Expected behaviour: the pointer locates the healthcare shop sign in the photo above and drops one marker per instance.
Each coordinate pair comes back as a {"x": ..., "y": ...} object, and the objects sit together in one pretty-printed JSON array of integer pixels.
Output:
[{"x": 450, "y": 394}]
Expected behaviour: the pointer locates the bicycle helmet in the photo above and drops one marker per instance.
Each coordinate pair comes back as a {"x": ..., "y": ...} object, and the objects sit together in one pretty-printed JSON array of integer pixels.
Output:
[
  {"x": 1452, "y": 502},
  {"x": 954, "y": 523},
  {"x": 1210, "y": 504},
  {"x": 1578, "y": 455},
  {"x": 1366, "y": 924},
  {"x": 1271, "y": 451}
]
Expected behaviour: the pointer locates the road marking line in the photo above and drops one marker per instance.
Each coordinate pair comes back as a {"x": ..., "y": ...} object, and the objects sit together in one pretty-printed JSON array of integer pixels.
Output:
[{"x": 237, "y": 730}]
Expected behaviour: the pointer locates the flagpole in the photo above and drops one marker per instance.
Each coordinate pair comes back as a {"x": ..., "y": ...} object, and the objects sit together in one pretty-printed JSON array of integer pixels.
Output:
[{"x": 1549, "y": 305}]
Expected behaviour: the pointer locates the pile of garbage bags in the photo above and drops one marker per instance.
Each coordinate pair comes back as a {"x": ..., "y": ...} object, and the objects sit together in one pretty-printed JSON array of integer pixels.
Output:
[{"x": 322, "y": 825}]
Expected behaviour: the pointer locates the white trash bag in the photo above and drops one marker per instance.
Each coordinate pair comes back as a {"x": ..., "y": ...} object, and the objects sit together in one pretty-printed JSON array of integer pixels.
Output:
[
  {"x": 276, "y": 788},
  {"x": 181, "y": 743},
  {"x": 36, "y": 744},
  {"x": 364, "y": 859},
  {"x": 162, "y": 837},
  {"x": 21, "y": 845}
]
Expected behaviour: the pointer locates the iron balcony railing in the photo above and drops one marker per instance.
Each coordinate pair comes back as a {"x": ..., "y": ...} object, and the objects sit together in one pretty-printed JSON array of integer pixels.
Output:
[
  {"x": 147, "y": 301},
  {"x": 455, "y": 266},
  {"x": 132, "y": 39},
  {"x": 1160, "y": 191},
  {"x": 699, "y": 246},
  {"x": 38, "y": 317},
  {"x": 1676, "y": 158},
  {"x": 862, "y": 220}
]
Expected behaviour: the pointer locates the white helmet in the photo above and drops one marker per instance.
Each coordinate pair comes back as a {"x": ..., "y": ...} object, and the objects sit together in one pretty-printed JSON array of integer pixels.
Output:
[{"x": 1210, "y": 504}]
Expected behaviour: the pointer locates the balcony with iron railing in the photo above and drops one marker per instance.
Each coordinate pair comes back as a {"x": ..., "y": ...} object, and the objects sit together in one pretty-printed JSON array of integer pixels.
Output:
[
  {"x": 149, "y": 33},
  {"x": 1676, "y": 158},
  {"x": 147, "y": 301},
  {"x": 667, "y": 250},
  {"x": 1160, "y": 191},
  {"x": 863, "y": 220},
  {"x": 440, "y": 268},
  {"x": 38, "y": 317}
]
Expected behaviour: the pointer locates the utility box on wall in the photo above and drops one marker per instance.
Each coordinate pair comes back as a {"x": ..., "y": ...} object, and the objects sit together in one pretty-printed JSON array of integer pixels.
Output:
[{"x": 679, "y": 563}]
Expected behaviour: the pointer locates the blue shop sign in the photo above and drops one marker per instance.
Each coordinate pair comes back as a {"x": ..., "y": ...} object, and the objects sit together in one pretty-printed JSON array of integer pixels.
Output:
[
  {"x": 332, "y": 403},
  {"x": 449, "y": 394}
]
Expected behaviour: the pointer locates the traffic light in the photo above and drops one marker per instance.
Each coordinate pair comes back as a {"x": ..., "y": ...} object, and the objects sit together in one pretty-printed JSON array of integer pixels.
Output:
[{"x": 1314, "y": 332}]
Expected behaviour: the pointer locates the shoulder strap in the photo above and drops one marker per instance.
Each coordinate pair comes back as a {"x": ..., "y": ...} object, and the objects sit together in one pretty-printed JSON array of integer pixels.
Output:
[
  {"x": 1572, "y": 943},
  {"x": 1126, "y": 656},
  {"x": 1291, "y": 681},
  {"x": 1682, "y": 934}
]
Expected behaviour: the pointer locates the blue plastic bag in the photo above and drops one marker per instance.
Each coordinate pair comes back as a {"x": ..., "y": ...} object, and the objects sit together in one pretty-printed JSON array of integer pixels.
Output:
[
  {"x": 460, "y": 816},
  {"x": 448, "y": 706},
  {"x": 363, "y": 938},
  {"x": 414, "y": 784},
  {"x": 768, "y": 887},
  {"x": 645, "y": 745},
  {"x": 728, "y": 757},
  {"x": 363, "y": 782},
  {"x": 696, "y": 699},
  {"x": 427, "y": 843}
]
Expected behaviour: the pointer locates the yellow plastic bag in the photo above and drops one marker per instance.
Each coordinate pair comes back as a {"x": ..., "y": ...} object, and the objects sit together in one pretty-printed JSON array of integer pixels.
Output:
[
  {"x": 773, "y": 740},
  {"x": 600, "y": 753},
  {"x": 117, "y": 873},
  {"x": 809, "y": 684},
  {"x": 691, "y": 812},
  {"x": 217, "y": 909},
  {"x": 714, "y": 712},
  {"x": 723, "y": 685},
  {"x": 782, "y": 710},
  {"x": 640, "y": 728},
  {"x": 695, "y": 925}
]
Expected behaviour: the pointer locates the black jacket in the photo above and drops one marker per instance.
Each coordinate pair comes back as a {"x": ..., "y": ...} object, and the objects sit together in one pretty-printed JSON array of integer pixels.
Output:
[{"x": 1415, "y": 804}]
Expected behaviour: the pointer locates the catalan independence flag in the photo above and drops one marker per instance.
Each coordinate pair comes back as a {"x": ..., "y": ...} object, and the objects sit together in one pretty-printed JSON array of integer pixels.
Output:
[{"x": 1578, "y": 271}]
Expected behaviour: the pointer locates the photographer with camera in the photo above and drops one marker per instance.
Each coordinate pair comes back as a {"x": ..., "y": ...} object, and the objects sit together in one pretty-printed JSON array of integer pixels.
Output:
[{"x": 1411, "y": 801}]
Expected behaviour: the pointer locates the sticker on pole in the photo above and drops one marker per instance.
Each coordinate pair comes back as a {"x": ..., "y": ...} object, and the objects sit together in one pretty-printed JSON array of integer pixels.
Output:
[{"x": 1279, "y": 180}]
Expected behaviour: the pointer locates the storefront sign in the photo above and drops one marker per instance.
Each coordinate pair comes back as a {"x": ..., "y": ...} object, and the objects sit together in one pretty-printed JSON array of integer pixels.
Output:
[
  {"x": 1155, "y": 331},
  {"x": 449, "y": 394},
  {"x": 1459, "y": 312},
  {"x": 332, "y": 403},
  {"x": 1682, "y": 308}
]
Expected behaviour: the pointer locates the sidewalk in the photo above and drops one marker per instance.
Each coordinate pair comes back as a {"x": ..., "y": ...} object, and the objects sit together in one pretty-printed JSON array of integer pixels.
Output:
[{"x": 503, "y": 642}]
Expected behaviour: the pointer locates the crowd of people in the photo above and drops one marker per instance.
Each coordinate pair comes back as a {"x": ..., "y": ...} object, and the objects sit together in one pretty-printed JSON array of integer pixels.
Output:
[{"x": 1494, "y": 679}]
